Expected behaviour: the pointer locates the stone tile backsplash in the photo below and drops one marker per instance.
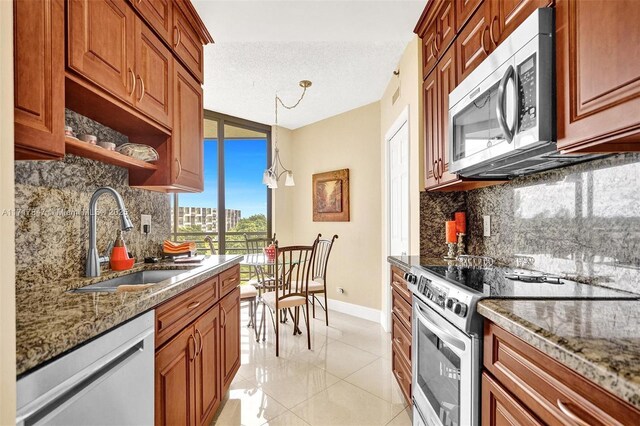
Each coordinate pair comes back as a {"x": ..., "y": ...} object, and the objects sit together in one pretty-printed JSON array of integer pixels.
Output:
[
  {"x": 581, "y": 221},
  {"x": 52, "y": 200}
]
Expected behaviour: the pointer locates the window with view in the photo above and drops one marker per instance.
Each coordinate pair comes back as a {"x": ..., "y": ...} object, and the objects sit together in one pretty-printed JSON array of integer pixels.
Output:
[{"x": 233, "y": 191}]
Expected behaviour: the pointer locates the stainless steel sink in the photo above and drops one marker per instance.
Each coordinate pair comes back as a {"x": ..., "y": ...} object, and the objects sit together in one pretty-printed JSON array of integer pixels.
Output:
[{"x": 136, "y": 278}]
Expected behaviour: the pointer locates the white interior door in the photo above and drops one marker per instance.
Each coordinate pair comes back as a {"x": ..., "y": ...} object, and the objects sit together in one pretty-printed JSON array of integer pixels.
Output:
[{"x": 399, "y": 191}]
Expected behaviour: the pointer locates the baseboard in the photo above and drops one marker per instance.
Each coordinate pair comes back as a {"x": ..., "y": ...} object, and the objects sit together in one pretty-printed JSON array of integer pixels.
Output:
[{"x": 358, "y": 311}]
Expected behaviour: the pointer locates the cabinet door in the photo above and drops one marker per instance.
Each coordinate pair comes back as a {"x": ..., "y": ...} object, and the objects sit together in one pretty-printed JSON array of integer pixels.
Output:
[
  {"x": 446, "y": 26},
  {"x": 208, "y": 379},
  {"x": 500, "y": 408},
  {"x": 229, "y": 337},
  {"x": 464, "y": 10},
  {"x": 101, "y": 43},
  {"x": 174, "y": 387},
  {"x": 446, "y": 70},
  {"x": 154, "y": 75},
  {"x": 158, "y": 14},
  {"x": 430, "y": 93},
  {"x": 429, "y": 55},
  {"x": 598, "y": 77},
  {"x": 187, "y": 138},
  {"x": 39, "y": 78},
  {"x": 507, "y": 15},
  {"x": 473, "y": 44},
  {"x": 186, "y": 42}
]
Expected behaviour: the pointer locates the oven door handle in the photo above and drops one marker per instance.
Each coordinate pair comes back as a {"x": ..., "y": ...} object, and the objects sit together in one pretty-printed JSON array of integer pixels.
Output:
[
  {"x": 440, "y": 332},
  {"x": 500, "y": 112}
]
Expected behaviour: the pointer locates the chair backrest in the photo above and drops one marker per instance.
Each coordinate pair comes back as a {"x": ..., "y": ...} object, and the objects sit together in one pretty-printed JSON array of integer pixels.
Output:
[
  {"x": 321, "y": 258},
  {"x": 293, "y": 267},
  {"x": 209, "y": 240},
  {"x": 255, "y": 245}
]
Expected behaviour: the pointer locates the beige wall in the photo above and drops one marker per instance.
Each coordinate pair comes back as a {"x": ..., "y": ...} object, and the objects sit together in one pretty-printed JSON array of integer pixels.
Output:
[
  {"x": 409, "y": 82},
  {"x": 349, "y": 140},
  {"x": 282, "y": 198},
  {"x": 7, "y": 260}
]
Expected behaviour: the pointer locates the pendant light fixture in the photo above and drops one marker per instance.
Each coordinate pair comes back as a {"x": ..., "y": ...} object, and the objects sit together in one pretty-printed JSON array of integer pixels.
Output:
[{"x": 277, "y": 169}]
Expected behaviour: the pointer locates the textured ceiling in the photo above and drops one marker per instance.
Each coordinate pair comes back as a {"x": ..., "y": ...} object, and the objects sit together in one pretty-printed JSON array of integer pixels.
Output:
[{"x": 348, "y": 49}]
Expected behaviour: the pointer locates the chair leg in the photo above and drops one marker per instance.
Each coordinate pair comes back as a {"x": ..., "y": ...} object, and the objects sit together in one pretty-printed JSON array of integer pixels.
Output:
[
  {"x": 326, "y": 308},
  {"x": 277, "y": 339},
  {"x": 313, "y": 305},
  {"x": 260, "y": 328},
  {"x": 305, "y": 312}
]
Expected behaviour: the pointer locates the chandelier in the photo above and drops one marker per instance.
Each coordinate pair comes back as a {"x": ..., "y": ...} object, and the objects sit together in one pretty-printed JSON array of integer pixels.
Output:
[{"x": 277, "y": 169}]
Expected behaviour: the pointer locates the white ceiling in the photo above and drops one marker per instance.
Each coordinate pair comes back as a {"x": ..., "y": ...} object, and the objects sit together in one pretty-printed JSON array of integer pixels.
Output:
[{"x": 347, "y": 48}]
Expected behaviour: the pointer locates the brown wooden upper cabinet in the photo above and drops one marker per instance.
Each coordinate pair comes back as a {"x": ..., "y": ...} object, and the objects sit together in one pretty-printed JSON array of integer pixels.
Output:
[
  {"x": 186, "y": 42},
  {"x": 437, "y": 28},
  {"x": 473, "y": 44},
  {"x": 188, "y": 133},
  {"x": 153, "y": 93},
  {"x": 101, "y": 44},
  {"x": 157, "y": 13},
  {"x": 598, "y": 76},
  {"x": 464, "y": 10},
  {"x": 39, "y": 79}
]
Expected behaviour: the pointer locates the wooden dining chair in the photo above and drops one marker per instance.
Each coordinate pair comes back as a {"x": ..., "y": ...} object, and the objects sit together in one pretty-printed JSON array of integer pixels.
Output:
[
  {"x": 293, "y": 267},
  {"x": 318, "y": 282}
]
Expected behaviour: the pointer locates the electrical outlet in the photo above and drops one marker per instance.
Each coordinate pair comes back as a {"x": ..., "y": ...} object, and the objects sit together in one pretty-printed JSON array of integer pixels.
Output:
[
  {"x": 145, "y": 219},
  {"x": 487, "y": 225}
]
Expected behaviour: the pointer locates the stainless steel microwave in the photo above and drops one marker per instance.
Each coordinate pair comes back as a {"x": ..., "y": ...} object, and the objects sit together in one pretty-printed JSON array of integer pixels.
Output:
[{"x": 502, "y": 120}]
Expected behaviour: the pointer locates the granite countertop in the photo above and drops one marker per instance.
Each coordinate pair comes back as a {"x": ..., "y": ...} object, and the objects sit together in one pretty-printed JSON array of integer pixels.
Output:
[
  {"x": 598, "y": 339},
  {"x": 407, "y": 262},
  {"x": 50, "y": 320}
]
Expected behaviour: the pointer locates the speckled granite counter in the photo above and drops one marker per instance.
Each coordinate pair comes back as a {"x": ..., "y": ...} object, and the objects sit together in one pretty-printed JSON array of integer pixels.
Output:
[
  {"x": 407, "y": 262},
  {"x": 51, "y": 321},
  {"x": 598, "y": 339}
]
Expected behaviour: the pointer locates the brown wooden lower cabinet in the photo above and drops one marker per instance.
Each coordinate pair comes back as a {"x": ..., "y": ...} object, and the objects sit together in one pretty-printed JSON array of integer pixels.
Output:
[
  {"x": 195, "y": 366},
  {"x": 522, "y": 385},
  {"x": 401, "y": 331},
  {"x": 230, "y": 337}
]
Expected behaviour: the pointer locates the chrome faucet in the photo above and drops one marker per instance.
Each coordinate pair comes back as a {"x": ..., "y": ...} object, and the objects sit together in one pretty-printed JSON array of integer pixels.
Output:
[{"x": 93, "y": 259}]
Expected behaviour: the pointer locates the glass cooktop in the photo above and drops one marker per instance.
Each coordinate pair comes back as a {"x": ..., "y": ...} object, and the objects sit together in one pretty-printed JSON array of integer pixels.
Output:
[{"x": 502, "y": 282}]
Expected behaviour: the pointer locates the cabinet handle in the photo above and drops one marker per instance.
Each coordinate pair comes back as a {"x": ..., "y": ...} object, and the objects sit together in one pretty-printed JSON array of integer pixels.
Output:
[
  {"x": 440, "y": 169},
  {"x": 194, "y": 305},
  {"x": 191, "y": 358},
  {"x": 570, "y": 414},
  {"x": 133, "y": 82},
  {"x": 176, "y": 30},
  {"x": 224, "y": 317},
  {"x": 495, "y": 18},
  {"x": 484, "y": 32},
  {"x": 435, "y": 45},
  {"x": 198, "y": 351},
  {"x": 179, "y": 168},
  {"x": 142, "y": 91}
]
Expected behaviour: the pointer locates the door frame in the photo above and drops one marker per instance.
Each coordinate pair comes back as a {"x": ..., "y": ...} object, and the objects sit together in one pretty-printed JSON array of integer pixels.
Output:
[{"x": 402, "y": 121}]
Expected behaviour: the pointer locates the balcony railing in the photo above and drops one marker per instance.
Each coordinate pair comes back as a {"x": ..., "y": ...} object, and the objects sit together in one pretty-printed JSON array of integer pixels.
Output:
[{"x": 234, "y": 244}]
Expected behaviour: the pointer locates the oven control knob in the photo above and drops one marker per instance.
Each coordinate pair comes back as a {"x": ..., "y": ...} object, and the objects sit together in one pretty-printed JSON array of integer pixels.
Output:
[
  {"x": 460, "y": 309},
  {"x": 410, "y": 278},
  {"x": 450, "y": 302}
]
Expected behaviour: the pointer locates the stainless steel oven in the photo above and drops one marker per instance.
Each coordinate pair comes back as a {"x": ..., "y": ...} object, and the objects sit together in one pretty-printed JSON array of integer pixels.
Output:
[{"x": 446, "y": 371}]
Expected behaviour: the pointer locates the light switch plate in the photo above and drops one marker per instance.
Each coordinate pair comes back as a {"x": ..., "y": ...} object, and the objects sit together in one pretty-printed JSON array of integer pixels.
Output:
[
  {"x": 486, "y": 221},
  {"x": 145, "y": 219}
]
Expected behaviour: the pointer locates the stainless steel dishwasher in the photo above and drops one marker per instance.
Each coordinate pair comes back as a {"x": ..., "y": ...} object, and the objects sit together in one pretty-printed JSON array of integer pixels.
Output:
[{"x": 108, "y": 381}]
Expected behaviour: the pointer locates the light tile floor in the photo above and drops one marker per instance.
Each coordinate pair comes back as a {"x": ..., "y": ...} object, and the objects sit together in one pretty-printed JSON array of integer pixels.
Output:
[{"x": 344, "y": 380}]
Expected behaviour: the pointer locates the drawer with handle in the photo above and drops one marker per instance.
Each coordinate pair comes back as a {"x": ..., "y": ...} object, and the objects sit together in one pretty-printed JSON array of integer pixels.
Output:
[
  {"x": 400, "y": 284},
  {"x": 229, "y": 280},
  {"x": 175, "y": 314},
  {"x": 402, "y": 373},
  {"x": 401, "y": 339},
  {"x": 401, "y": 308}
]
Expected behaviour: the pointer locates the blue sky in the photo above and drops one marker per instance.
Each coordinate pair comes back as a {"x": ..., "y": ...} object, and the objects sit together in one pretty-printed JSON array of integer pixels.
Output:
[{"x": 245, "y": 161}]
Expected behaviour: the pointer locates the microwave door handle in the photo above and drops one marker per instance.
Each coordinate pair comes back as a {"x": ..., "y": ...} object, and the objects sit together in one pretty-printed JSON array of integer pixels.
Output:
[{"x": 502, "y": 93}]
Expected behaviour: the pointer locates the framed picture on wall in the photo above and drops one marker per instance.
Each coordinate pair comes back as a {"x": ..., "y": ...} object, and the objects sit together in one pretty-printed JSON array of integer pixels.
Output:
[{"x": 331, "y": 196}]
